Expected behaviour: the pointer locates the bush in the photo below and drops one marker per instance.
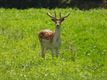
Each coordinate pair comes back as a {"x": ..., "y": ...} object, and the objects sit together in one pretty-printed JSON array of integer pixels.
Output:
[{"x": 82, "y": 4}]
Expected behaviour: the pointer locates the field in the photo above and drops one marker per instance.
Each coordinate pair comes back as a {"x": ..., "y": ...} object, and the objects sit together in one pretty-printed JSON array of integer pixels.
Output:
[{"x": 83, "y": 53}]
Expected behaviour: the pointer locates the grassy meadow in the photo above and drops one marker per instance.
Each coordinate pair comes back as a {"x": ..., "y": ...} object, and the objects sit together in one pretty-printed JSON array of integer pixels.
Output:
[{"x": 83, "y": 53}]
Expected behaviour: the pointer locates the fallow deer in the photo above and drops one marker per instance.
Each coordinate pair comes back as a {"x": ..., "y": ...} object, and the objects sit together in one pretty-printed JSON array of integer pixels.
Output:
[{"x": 49, "y": 39}]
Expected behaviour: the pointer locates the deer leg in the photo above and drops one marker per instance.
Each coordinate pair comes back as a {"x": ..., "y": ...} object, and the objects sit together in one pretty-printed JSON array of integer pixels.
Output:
[
  {"x": 57, "y": 52},
  {"x": 43, "y": 52},
  {"x": 53, "y": 52}
]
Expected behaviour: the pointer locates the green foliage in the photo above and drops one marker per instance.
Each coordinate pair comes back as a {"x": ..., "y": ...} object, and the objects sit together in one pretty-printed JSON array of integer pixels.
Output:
[
  {"x": 81, "y": 4},
  {"x": 83, "y": 54}
]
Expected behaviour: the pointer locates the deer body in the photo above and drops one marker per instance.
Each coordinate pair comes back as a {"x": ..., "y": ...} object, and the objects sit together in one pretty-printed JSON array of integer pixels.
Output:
[{"x": 49, "y": 39}]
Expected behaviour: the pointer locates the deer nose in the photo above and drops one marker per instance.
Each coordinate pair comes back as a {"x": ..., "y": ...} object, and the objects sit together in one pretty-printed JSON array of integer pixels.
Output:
[{"x": 57, "y": 24}]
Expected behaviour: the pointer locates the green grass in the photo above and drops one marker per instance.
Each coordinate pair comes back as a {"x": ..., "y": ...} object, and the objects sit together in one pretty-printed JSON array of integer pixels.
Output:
[{"x": 83, "y": 53}]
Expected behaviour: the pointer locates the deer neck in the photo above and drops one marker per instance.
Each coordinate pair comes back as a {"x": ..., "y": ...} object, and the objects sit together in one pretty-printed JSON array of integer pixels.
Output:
[{"x": 57, "y": 34}]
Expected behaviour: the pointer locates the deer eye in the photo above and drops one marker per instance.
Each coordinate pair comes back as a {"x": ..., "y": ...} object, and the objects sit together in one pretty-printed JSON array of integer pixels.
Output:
[{"x": 53, "y": 20}]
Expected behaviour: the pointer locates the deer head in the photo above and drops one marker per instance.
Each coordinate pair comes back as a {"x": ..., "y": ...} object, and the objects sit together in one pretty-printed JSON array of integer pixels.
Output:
[{"x": 56, "y": 20}]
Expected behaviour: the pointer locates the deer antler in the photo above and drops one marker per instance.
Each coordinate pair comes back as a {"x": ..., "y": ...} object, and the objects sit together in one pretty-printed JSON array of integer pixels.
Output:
[
  {"x": 64, "y": 16},
  {"x": 49, "y": 14},
  {"x": 55, "y": 14},
  {"x": 60, "y": 14}
]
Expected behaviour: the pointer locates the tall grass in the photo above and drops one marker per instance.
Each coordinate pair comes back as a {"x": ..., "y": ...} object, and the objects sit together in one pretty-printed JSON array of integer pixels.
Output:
[{"x": 82, "y": 54}]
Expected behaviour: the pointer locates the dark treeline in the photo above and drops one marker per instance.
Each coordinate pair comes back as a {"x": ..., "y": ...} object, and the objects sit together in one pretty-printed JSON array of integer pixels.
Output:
[{"x": 82, "y": 4}]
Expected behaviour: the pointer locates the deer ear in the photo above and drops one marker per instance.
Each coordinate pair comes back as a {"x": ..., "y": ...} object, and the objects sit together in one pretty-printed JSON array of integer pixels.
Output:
[
  {"x": 53, "y": 19},
  {"x": 62, "y": 19}
]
